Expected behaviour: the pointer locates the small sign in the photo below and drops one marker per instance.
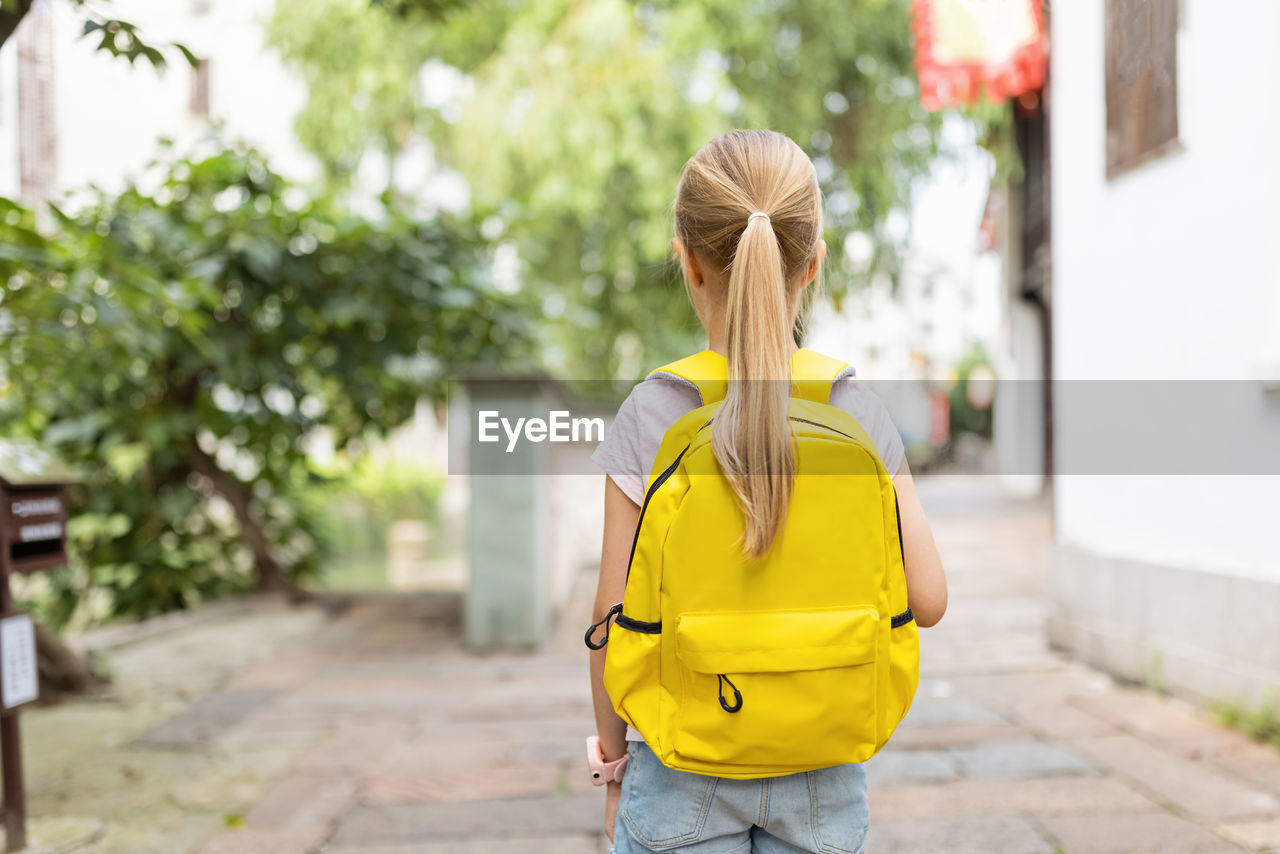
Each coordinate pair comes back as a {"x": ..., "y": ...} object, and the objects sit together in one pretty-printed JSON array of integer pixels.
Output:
[
  {"x": 19, "y": 680},
  {"x": 40, "y": 533},
  {"x": 33, "y": 527},
  {"x": 43, "y": 506}
]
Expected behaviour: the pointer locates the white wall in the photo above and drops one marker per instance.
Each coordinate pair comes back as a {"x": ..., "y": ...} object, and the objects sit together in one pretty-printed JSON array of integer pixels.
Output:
[
  {"x": 9, "y": 183},
  {"x": 1171, "y": 271},
  {"x": 110, "y": 114}
]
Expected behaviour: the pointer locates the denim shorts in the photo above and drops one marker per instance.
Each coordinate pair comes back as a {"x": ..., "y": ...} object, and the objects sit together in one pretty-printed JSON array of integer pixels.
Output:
[{"x": 662, "y": 809}]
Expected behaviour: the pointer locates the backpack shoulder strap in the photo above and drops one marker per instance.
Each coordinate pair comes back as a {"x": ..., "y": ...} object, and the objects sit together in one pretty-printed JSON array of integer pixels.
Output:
[
  {"x": 708, "y": 371},
  {"x": 813, "y": 373}
]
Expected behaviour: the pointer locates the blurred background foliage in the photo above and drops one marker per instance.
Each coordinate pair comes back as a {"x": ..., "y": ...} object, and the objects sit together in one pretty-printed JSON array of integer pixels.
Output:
[
  {"x": 187, "y": 346},
  {"x": 356, "y": 507},
  {"x": 966, "y": 417},
  {"x": 188, "y": 341},
  {"x": 575, "y": 119}
]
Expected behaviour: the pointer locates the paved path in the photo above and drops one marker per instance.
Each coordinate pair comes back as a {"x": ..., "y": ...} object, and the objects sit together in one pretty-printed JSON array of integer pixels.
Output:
[{"x": 381, "y": 736}]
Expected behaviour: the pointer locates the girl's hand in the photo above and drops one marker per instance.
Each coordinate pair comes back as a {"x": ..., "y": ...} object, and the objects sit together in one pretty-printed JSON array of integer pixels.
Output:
[
  {"x": 621, "y": 515},
  {"x": 613, "y": 791}
]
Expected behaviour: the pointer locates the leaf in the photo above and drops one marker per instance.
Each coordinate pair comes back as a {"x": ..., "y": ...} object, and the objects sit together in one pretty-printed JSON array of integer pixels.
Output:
[
  {"x": 156, "y": 57},
  {"x": 127, "y": 460},
  {"x": 82, "y": 429},
  {"x": 187, "y": 54},
  {"x": 62, "y": 217}
]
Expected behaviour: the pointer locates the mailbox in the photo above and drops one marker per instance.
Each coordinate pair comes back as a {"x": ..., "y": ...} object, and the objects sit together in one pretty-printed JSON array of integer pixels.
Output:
[
  {"x": 33, "y": 536},
  {"x": 33, "y": 508}
]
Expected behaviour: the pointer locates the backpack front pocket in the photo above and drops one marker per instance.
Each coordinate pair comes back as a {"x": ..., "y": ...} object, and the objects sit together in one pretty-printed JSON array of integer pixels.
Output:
[{"x": 777, "y": 689}]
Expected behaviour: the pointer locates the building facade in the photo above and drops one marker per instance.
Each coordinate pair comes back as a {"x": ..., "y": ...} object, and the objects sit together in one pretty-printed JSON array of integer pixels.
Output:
[
  {"x": 1166, "y": 266},
  {"x": 71, "y": 115}
]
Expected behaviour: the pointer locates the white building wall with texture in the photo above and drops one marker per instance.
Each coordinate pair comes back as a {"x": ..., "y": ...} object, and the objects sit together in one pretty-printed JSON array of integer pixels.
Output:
[
  {"x": 1170, "y": 271},
  {"x": 109, "y": 114}
]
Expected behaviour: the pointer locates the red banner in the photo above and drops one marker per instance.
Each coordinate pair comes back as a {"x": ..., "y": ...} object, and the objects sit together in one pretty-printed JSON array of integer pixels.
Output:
[{"x": 968, "y": 48}]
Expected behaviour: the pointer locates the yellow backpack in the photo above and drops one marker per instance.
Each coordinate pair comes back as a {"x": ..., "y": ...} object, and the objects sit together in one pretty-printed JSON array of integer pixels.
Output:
[{"x": 805, "y": 658}]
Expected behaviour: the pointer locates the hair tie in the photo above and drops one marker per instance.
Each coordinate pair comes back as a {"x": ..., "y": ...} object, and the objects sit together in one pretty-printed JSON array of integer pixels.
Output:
[{"x": 756, "y": 214}]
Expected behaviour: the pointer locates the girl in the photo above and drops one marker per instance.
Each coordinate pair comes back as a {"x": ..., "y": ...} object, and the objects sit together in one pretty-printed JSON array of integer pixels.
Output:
[{"x": 748, "y": 223}]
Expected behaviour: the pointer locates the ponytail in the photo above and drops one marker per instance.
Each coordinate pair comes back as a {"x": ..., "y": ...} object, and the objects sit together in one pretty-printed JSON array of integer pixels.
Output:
[
  {"x": 751, "y": 434},
  {"x": 763, "y": 171}
]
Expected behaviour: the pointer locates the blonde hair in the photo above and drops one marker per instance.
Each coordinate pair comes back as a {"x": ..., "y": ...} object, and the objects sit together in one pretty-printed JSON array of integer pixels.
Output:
[{"x": 731, "y": 177}]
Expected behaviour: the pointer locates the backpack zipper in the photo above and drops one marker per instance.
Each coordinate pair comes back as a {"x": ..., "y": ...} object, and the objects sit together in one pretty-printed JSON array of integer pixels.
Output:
[
  {"x": 604, "y": 621},
  {"x": 824, "y": 427},
  {"x": 721, "y": 679},
  {"x": 657, "y": 484},
  {"x": 622, "y": 620},
  {"x": 641, "y": 626},
  {"x": 906, "y": 616}
]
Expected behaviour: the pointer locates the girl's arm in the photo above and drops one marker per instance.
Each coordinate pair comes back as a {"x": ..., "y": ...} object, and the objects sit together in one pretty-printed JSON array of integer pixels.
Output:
[
  {"x": 926, "y": 581},
  {"x": 621, "y": 515}
]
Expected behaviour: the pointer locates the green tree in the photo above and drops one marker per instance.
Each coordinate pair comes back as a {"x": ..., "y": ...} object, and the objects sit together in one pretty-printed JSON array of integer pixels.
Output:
[
  {"x": 360, "y": 66},
  {"x": 583, "y": 114},
  {"x": 181, "y": 347}
]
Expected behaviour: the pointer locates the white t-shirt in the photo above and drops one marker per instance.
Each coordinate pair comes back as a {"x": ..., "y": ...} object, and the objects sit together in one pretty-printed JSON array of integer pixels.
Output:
[{"x": 631, "y": 445}]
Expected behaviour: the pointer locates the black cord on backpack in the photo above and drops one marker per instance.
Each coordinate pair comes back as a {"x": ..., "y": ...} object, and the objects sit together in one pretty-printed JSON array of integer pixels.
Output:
[
  {"x": 616, "y": 609},
  {"x": 737, "y": 695}
]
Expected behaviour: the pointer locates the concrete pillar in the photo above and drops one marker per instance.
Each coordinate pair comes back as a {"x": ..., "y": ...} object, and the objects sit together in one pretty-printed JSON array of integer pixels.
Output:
[{"x": 507, "y": 604}]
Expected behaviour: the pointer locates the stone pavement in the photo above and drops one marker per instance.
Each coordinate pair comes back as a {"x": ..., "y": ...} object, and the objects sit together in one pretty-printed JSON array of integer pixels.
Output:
[{"x": 373, "y": 732}]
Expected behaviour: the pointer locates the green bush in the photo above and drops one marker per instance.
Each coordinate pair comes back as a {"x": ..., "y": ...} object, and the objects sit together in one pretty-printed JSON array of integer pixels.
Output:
[
  {"x": 1261, "y": 722},
  {"x": 355, "y": 510},
  {"x": 965, "y": 417},
  {"x": 178, "y": 346}
]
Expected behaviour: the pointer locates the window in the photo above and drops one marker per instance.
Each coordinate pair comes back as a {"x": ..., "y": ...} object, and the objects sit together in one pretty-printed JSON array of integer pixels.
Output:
[
  {"x": 200, "y": 89},
  {"x": 1142, "y": 82}
]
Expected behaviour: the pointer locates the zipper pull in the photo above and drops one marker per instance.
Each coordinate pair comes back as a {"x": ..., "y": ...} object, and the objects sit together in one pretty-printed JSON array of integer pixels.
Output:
[
  {"x": 614, "y": 611},
  {"x": 737, "y": 695}
]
